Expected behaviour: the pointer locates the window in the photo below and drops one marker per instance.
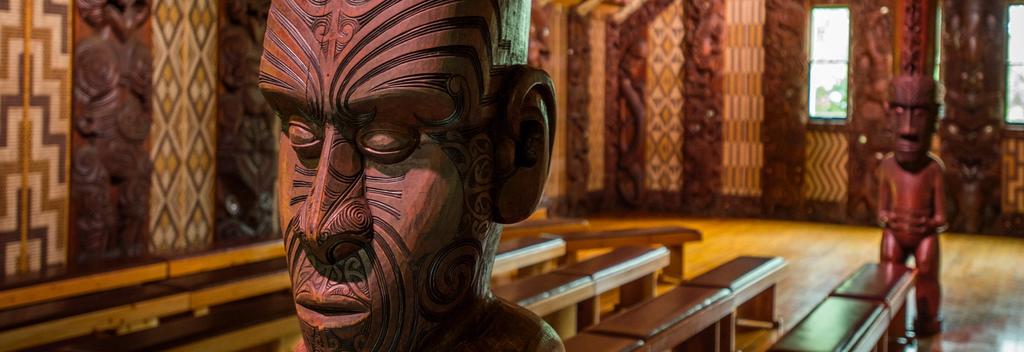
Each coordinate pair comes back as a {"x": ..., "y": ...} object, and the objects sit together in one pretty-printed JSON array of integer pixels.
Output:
[
  {"x": 1015, "y": 65},
  {"x": 938, "y": 62},
  {"x": 829, "y": 63}
]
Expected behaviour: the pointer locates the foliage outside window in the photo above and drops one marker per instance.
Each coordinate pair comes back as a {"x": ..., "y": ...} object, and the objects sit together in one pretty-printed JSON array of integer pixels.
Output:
[
  {"x": 1015, "y": 65},
  {"x": 829, "y": 63}
]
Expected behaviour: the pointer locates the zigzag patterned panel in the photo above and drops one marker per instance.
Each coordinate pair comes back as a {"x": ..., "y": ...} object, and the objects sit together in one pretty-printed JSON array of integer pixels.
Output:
[
  {"x": 663, "y": 153},
  {"x": 34, "y": 142},
  {"x": 184, "y": 55},
  {"x": 1013, "y": 176},
  {"x": 743, "y": 152},
  {"x": 826, "y": 177}
]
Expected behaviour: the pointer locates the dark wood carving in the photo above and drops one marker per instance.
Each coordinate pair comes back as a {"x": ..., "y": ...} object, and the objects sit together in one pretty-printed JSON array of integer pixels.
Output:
[
  {"x": 911, "y": 200},
  {"x": 539, "y": 54},
  {"x": 872, "y": 55},
  {"x": 974, "y": 38},
  {"x": 246, "y": 138},
  {"x": 917, "y": 45},
  {"x": 626, "y": 71},
  {"x": 578, "y": 120},
  {"x": 785, "y": 31},
  {"x": 110, "y": 167},
  {"x": 411, "y": 129},
  {"x": 702, "y": 151}
]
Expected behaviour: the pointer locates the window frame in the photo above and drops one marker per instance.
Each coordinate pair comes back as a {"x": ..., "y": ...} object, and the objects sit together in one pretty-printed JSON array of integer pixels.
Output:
[
  {"x": 818, "y": 120},
  {"x": 1019, "y": 124}
]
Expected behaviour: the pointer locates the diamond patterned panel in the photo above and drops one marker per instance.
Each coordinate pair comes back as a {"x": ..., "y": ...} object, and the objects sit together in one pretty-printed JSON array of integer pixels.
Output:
[
  {"x": 663, "y": 157},
  {"x": 184, "y": 48}
]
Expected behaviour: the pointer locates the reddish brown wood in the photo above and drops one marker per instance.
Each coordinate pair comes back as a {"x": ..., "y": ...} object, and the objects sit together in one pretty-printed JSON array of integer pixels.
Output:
[
  {"x": 974, "y": 71},
  {"x": 911, "y": 200},
  {"x": 872, "y": 58},
  {"x": 917, "y": 37},
  {"x": 246, "y": 138},
  {"x": 578, "y": 122},
  {"x": 785, "y": 31},
  {"x": 110, "y": 166},
  {"x": 624, "y": 109},
  {"x": 702, "y": 150},
  {"x": 410, "y": 129}
]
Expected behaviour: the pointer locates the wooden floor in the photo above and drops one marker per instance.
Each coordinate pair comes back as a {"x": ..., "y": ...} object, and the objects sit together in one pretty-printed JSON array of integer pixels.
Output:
[{"x": 982, "y": 276}]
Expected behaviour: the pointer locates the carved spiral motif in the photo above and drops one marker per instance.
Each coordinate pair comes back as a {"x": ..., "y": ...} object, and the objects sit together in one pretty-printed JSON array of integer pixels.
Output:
[
  {"x": 139, "y": 69},
  {"x": 91, "y": 11},
  {"x": 96, "y": 73},
  {"x": 449, "y": 278}
]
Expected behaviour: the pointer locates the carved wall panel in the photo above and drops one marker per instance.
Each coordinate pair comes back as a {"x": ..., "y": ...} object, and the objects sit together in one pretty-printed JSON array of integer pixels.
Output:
[
  {"x": 548, "y": 51},
  {"x": 705, "y": 27},
  {"x": 917, "y": 48},
  {"x": 663, "y": 99},
  {"x": 625, "y": 108},
  {"x": 825, "y": 175},
  {"x": 181, "y": 208},
  {"x": 34, "y": 135},
  {"x": 246, "y": 129},
  {"x": 974, "y": 77},
  {"x": 743, "y": 114},
  {"x": 872, "y": 61},
  {"x": 596, "y": 107},
  {"x": 1013, "y": 186},
  {"x": 577, "y": 121},
  {"x": 785, "y": 31},
  {"x": 110, "y": 165}
]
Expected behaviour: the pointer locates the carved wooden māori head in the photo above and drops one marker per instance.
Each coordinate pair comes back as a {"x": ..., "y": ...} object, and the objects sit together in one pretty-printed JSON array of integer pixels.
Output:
[
  {"x": 410, "y": 129},
  {"x": 912, "y": 118}
]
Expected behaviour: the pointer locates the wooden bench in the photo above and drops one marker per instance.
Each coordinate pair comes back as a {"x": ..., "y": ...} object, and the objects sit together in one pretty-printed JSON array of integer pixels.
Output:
[
  {"x": 751, "y": 282},
  {"x": 527, "y": 252},
  {"x": 630, "y": 269},
  {"x": 685, "y": 318},
  {"x": 232, "y": 284},
  {"x": 887, "y": 283},
  {"x": 591, "y": 342},
  {"x": 672, "y": 237},
  {"x": 538, "y": 226},
  {"x": 839, "y": 324},
  {"x": 555, "y": 295},
  {"x": 230, "y": 327}
]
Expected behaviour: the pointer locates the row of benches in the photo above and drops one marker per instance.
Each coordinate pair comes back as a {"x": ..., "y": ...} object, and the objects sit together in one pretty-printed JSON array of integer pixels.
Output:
[
  {"x": 700, "y": 315},
  {"x": 864, "y": 313}
]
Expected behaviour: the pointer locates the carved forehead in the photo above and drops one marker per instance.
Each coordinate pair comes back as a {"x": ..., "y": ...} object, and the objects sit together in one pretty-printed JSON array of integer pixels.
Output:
[{"x": 912, "y": 90}]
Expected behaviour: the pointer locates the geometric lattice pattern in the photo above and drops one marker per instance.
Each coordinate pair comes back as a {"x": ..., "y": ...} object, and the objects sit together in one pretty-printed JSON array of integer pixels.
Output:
[
  {"x": 742, "y": 150},
  {"x": 825, "y": 176},
  {"x": 663, "y": 153},
  {"x": 34, "y": 141},
  {"x": 1013, "y": 176},
  {"x": 596, "y": 109},
  {"x": 184, "y": 122}
]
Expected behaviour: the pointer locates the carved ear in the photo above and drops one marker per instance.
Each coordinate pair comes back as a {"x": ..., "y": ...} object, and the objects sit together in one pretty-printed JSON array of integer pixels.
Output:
[{"x": 523, "y": 144}]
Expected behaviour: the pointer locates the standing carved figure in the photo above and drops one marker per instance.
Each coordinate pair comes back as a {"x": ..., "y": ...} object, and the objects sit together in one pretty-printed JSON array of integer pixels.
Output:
[
  {"x": 110, "y": 168},
  {"x": 410, "y": 130},
  {"x": 632, "y": 71},
  {"x": 911, "y": 195}
]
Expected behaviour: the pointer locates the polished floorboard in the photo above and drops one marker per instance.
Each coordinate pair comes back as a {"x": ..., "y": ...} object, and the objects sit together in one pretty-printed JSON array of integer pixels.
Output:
[{"x": 982, "y": 276}]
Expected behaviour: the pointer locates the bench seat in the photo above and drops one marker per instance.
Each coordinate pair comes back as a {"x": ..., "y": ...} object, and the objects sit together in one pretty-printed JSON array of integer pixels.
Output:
[
  {"x": 538, "y": 226},
  {"x": 670, "y": 319},
  {"x": 672, "y": 237},
  {"x": 547, "y": 293},
  {"x": 232, "y": 326},
  {"x": 591, "y": 342},
  {"x": 888, "y": 283},
  {"x": 838, "y": 324},
  {"x": 232, "y": 283},
  {"x": 751, "y": 280},
  {"x": 524, "y": 252}
]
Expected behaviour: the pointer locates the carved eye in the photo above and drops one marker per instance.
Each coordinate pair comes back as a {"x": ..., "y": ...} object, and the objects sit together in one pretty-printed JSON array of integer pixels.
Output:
[
  {"x": 387, "y": 146},
  {"x": 305, "y": 142}
]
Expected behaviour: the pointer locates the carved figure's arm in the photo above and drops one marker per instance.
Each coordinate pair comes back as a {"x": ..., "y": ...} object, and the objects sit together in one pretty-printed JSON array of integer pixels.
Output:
[
  {"x": 938, "y": 220},
  {"x": 884, "y": 197}
]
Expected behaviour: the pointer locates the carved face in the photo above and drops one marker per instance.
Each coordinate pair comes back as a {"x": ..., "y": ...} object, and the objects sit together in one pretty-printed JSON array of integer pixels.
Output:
[
  {"x": 386, "y": 161},
  {"x": 912, "y": 114}
]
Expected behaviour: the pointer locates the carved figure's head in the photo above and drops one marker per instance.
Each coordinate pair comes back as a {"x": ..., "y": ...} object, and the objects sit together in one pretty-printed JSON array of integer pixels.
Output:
[
  {"x": 912, "y": 117},
  {"x": 410, "y": 129}
]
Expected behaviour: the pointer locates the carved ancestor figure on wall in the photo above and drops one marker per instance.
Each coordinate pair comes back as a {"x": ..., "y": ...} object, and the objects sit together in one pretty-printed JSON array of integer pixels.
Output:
[
  {"x": 632, "y": 73},
  {"x": 911, "y": 195},
  {"x": 110, "y": 168},
  {"x": 410, "y": 129}
]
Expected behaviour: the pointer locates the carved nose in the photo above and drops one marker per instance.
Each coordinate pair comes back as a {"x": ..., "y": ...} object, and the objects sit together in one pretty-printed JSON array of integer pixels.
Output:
[{"x": 336, "y": 220}]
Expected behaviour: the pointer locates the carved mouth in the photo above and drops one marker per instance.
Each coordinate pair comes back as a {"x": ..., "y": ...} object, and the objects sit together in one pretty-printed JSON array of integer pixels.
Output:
[
  {"x": 908, "y": 143},
  {"x": 333, "y": 312}
]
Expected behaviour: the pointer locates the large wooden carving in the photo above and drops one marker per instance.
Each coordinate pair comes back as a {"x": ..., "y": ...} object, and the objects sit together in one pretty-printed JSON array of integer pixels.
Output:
[
  {"x": 246, "y": 137},
  {"x": 578, "y": 120},
  {"x": 410, "y": 129},
  {"x": 110, "y": 168},
  {"x": 626, "y": 72},
  {"x": 702, "y": 162},
  {"x": 785, "y": 31},
  {"x": 872, "y": 50},
  {"x": 974, "y": 37}
]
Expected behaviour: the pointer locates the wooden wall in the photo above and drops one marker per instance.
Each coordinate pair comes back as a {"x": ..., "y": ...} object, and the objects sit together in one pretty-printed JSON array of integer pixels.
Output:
[{"x": 718, "y": 125}]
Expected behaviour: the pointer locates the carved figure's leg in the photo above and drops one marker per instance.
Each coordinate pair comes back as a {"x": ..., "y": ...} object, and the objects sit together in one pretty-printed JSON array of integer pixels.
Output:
[
  {"x": 891, "y": 249},
  {"x": 929, "y": 293}
]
